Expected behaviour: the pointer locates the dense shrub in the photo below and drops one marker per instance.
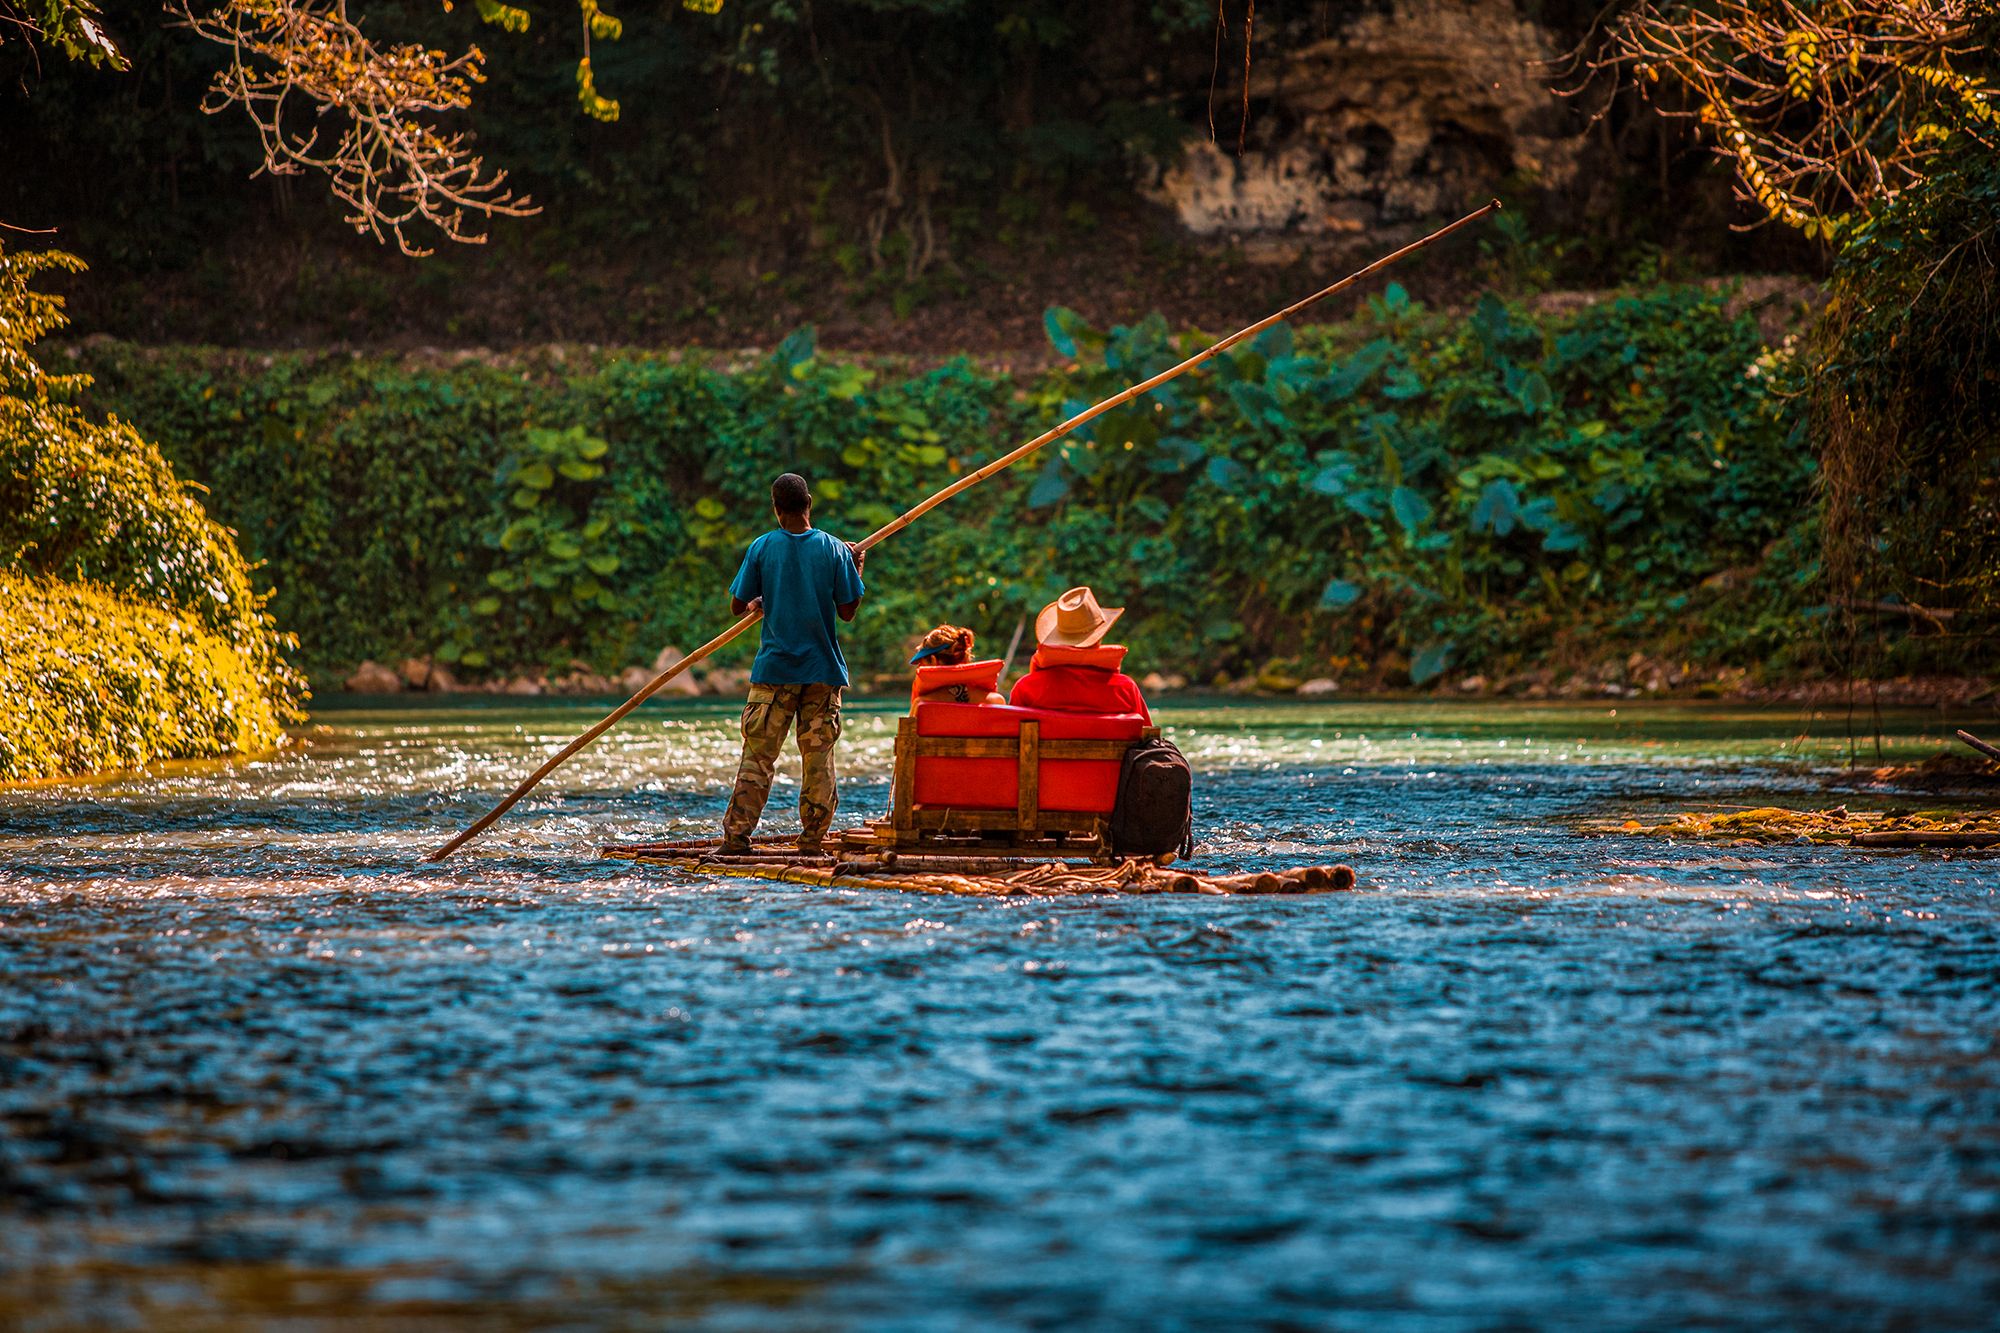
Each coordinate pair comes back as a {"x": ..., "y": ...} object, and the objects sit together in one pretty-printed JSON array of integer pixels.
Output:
[
  {"x": 120, "y": 594},
  {"x": 1402, "y": 492},
  {"x": 1905, "y": 402},
  {"x": 98, "y": 681}
]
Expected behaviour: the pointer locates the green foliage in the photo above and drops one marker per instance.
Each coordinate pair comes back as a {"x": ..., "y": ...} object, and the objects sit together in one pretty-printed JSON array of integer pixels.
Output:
[
  {"x": 555, "y": 524},
  {"x": 1453, "y": 488},
  {"x": 71, "y": 27},
  {"x": 89, "y": 500},
  {"x": 1439, "y": 492},
  {"x": 128, "y": 628},
  {"x": 1905, "y": 400},
  {"x": 96, "y": 681}
]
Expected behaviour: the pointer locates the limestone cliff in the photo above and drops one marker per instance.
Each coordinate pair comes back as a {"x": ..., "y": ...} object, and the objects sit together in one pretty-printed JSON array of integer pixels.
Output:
[{"x": 1402, "y": 113}]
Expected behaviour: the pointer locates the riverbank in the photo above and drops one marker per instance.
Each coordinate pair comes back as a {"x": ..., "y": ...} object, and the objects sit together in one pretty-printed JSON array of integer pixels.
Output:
[
  {"x": 1406, "y": 498},
  {"x": 1635, "y": 677}
]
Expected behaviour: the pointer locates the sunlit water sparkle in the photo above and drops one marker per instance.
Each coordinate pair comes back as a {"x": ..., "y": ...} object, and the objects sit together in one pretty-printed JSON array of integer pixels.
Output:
[{"x": 258, "y": 1063}]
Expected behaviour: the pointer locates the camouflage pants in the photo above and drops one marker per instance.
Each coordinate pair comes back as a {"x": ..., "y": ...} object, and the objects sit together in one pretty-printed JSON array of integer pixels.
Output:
[{"x": 767, "y": 718}]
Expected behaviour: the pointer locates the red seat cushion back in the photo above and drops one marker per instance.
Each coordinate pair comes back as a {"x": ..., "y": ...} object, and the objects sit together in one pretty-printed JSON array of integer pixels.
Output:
[{"x": 1073, "y": 785}]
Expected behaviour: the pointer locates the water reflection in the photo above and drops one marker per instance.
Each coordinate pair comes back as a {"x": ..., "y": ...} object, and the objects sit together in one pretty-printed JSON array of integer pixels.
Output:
[{"x": 257, "y": 1063}]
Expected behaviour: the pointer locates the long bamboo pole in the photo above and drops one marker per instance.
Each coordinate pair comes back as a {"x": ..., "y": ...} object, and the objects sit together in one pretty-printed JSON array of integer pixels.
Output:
[{"x": 964, "y": 483}]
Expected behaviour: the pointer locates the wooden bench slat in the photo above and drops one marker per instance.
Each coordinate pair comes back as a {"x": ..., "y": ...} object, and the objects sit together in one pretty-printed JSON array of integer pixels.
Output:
[
  {"x": 903, "y": 782},
  {"x": 1027, "y": 791},
  {"x": 1007, "y": 747},
  {"x": 941, "y": 818}
]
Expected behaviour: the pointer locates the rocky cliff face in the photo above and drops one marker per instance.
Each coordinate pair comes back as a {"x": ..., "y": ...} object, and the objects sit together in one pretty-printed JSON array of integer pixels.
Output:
[{"x": 1416, "y": 110}]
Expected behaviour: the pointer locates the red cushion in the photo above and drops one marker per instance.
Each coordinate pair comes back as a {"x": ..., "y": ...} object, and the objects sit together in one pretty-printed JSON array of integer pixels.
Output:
[{"x": 1089, "y": 786}]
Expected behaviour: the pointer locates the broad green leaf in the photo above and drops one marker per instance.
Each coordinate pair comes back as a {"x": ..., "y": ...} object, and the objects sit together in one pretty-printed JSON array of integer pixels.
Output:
[
  {"x": 799, "y": 346},
  {"x": 1365, "y": 502},
  {"x": 1347, "y": 378},
  {"x": 1534, "y": 393},
  {"x": 486, "y": 606},
  {"x": 1175, "y": 454},
  {"x": 577, "y": 470},
  {"x": 1257, "y": 405},
  {"x": 1410, "y": 508},
  {"x": 1540, "y": 514},
  {"x": 1059, "y": 322},
  {"x": 848, "y": 382},
  {"x": 1274, "y": 343},
  {"x": 537, "y": 476},
  {"x": 1339, "y": 594},
  {"x": 1402, "y": 384},
  {"x": 1227, "y": 472},
  {"x": 1429, "y": 663},
  {"x": 1333, "y": 479},
  {"x": 1491, "y": 323},
  {"x": 1049, "y": 487},
  {"x": 1499, "y": 508}
]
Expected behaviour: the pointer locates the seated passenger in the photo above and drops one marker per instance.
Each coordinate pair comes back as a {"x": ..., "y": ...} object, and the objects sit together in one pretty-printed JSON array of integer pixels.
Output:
[
  {"x": 1074, "y": 670},
  {"x": 946, "y": 673}
]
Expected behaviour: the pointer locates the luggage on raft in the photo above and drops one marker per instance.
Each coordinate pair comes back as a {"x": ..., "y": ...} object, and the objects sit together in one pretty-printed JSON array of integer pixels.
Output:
[{"x": 1154, "y": 813}]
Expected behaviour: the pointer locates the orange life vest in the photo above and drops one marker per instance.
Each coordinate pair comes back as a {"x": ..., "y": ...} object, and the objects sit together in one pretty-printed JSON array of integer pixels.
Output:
[
  {"x": 968, "y": 683},
  {"x": 1080, "y": 680},
  {"x": 1103, "y": 656}
]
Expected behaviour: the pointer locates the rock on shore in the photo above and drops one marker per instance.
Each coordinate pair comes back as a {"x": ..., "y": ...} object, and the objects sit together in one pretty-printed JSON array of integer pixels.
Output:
[{"x": 374, "y": 678}]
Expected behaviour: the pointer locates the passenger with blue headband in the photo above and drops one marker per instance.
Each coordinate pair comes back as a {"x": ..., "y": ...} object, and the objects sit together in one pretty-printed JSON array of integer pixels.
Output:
[{"x": 946, "y": 673}]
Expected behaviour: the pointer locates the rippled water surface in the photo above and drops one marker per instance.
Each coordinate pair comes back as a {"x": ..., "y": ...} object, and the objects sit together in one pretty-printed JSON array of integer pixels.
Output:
[{"x": 259, "y": 1066}]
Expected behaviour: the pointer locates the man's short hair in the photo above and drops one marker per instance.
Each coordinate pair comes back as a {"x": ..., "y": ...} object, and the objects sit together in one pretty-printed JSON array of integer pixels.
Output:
[{"x": 789, "y": 494}]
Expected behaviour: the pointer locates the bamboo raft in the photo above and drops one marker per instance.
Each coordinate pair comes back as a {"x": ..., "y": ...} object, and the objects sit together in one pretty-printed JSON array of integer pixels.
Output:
[{"x": 964, "y": 872}]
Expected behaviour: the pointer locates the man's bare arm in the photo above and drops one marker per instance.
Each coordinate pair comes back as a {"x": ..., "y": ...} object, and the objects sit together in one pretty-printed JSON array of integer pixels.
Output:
[{"x": 846, "y": 610}]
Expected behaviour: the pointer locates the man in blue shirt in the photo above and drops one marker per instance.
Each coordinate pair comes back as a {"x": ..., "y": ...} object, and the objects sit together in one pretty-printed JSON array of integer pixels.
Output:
[{"x": 801, "y": 578}]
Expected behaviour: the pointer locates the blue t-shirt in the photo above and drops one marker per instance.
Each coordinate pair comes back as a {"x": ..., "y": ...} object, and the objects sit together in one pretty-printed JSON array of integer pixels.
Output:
[{"x": 801, "y": 576}]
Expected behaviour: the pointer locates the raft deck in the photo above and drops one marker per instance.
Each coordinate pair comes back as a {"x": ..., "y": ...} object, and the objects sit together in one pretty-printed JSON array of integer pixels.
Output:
[{"x": 779, "y": 860}]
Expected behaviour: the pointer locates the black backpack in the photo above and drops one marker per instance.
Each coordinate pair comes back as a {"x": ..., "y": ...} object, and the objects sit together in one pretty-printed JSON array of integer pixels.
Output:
[{"x": 1154, "y": 813}]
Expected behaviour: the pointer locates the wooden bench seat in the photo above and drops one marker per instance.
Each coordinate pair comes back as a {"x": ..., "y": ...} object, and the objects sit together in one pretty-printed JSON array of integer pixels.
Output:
[{"x": 1014, "y": 779}]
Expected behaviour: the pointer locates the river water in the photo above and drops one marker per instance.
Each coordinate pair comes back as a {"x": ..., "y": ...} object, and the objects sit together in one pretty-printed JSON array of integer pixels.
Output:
[{"x": 258, "y": 1065}]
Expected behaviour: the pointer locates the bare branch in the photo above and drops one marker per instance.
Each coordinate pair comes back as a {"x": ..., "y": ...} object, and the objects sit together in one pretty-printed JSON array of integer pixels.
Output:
[
  {"x": 368, "y": 119},
  {"x": 1823, "y": 108}
]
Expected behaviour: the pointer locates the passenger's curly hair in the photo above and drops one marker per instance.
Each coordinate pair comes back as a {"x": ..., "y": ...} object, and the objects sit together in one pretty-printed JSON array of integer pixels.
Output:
[{"x": 960, "y": 641}]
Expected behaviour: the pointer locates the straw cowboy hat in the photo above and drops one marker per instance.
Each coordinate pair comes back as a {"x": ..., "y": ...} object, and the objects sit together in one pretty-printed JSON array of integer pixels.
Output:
[{"x": 1075, "y": 620}]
